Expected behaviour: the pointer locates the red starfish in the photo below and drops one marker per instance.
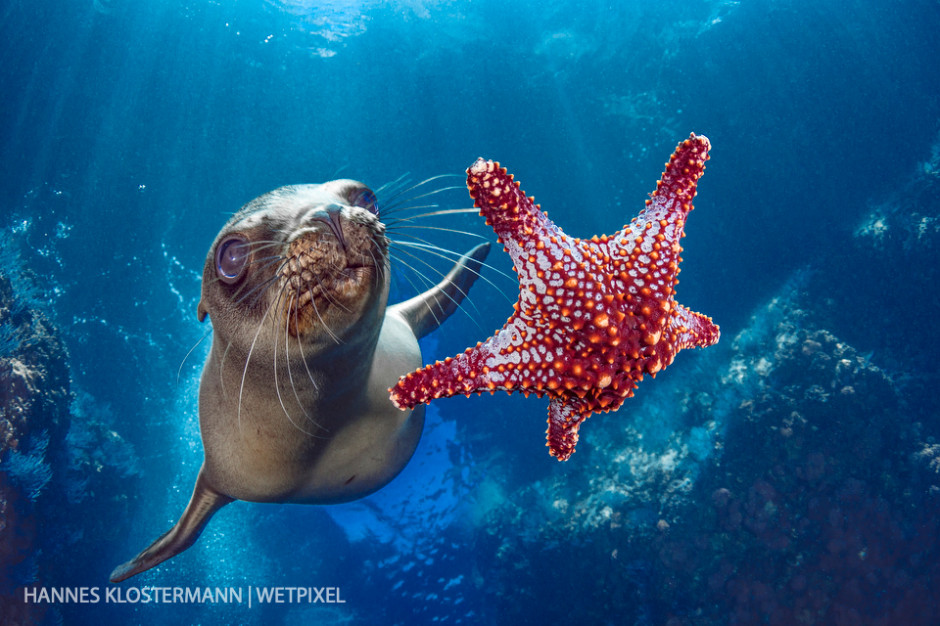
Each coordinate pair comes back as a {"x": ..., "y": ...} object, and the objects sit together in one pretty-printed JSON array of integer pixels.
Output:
[{"x": 593, "y": 317}]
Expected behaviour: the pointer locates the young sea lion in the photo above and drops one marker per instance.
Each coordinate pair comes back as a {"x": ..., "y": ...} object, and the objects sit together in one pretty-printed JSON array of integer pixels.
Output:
[{"x": 293, "y": 401}]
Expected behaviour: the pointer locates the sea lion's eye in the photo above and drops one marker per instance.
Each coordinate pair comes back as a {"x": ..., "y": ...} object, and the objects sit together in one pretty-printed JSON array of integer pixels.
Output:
[
  {"x": 231, "y": 259},
  {"x": 364, "y": 199}
]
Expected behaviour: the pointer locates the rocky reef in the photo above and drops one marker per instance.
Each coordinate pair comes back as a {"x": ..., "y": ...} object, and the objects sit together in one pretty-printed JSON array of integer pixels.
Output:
[
  {"x": 56, "y": 447},
  {"x": 817, "y": 510},
  {"x": 34, "y": 417},
  {"x": 797, "y": 481}
]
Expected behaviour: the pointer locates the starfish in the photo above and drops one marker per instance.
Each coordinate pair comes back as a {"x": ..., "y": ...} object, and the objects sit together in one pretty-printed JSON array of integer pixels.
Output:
[{"x": 594, "y": 316}]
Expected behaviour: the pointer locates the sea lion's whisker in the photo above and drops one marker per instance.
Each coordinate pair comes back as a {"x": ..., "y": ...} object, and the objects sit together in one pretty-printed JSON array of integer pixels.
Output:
[
  {"x": 449, "y": 297},
  {"x": 241, "y": 389},
  {"x": 277, "y": 387},
  {"x": 375, "y": 274},
  {"x": 389, "y": 186},
  {"x": 279, "y": 309},
  {"x": 449, "y": 255},
  {"x": 313, "y": 303},
  {"x": 221, "y": 364},
  {"x": 425, "y": 281},
  {"x": 428, "y": 282},
  {"x": 438, "y": 190},
  {"x": 290, "y": 376},
  {"x": 398, "y": 194},
  {"x": 441, "y": 252},
  {"x": 291, "y": 309},
  {"x": 196, "y": 345},
  {"x": 403, "y": 206},
  {"x": 268, "y": 260},
  {"x": 303, "y": 359},
  {"x": 411, "y": 218},
  {"x": 379, "y": 270},
  {"x": 398, "y": 228},
  {"x": 326, "y": 294},
  {"x": 397, "y": 210},
  {"x": 420, "y": 242},
  {"x": 263, "y": 286},
  {"x": 258, "y": 246}
]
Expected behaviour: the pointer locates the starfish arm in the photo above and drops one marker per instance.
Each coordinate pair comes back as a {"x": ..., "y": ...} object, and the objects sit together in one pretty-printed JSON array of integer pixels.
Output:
[
  {"x": 520, "y": 224},
  {"x": 450, "y": 377},
  {"x": 647, "y": 250},
  {"x": 676, "y": 188},
  {"x": 565, "y": 415},
  {"x": 646, "y": 261},
  {"x": 693, "y": 330},
  {"x": 504, "y": 361}
]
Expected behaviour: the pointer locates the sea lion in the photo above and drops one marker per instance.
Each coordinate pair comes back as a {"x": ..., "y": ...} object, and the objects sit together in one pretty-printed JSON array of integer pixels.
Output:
[{"x": 293, "y": 399}]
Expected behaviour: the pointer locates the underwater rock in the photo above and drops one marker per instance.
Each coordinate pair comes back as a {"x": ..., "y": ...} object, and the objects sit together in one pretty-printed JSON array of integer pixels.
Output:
[
  {"x": 881, "y": 292},
  {"x": 809, "y": 516},
  {"x": 56, "y": 450},
  {"x": 824, "y": 507},
  {"x": 34, "y": 413},
  {"x": 34, "y": 378}
]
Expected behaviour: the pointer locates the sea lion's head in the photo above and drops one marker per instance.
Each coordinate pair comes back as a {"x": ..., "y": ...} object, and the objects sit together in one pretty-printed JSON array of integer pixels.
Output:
[{"x": 303, "y": 264}]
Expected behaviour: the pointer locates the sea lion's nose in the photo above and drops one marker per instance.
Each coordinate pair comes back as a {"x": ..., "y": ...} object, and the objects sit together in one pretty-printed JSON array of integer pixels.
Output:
[{"x": 334, "y": 219}]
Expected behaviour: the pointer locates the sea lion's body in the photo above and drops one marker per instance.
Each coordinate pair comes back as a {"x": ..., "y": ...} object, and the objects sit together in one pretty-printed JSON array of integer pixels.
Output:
[
  {"x": 267, "y": 458},
  {"x": 293, "y": 401}
]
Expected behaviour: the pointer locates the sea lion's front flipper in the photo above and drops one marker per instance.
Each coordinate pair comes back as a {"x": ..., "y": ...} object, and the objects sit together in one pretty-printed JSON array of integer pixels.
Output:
[
  {"x": 202, "y": 506},
  {"x": 426, "y": 311}
]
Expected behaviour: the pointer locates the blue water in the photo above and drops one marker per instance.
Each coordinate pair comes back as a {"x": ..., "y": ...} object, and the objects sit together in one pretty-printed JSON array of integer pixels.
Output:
[{"x": 130, "y": 131}]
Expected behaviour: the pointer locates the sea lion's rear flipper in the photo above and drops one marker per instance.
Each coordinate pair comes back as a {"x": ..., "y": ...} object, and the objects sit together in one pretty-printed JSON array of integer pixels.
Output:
[
  {"x": 202, "y": 506},
  {"x": 426, "y": 311}
]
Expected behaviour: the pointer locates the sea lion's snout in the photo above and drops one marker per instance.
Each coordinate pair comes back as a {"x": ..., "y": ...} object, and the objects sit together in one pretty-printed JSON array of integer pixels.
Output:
[
  {"x": 334, "y": 221},
  {"x": 331, "y": 266}
]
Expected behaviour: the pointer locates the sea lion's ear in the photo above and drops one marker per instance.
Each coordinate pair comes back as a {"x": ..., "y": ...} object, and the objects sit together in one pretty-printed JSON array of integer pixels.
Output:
[{"x": 201, "y": 311}]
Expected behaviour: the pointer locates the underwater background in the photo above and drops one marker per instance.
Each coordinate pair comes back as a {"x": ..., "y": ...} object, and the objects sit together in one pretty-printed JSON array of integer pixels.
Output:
[{"x": 790, "y": 474}]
